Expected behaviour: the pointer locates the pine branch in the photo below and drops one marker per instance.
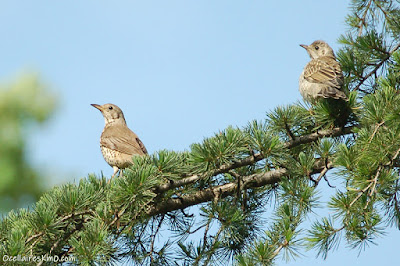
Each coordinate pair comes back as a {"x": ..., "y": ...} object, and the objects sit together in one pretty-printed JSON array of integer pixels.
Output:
[
  {"x": 376, "y": 68},
  {"x": 38, "y": 236},
  {"x": 373, "y": 182},
  {"x": 363, "y": 23},
  {"x": 322, "y": 174},
  {"x": 280, "y": 247},
  {"x": 222, "y": 191},
  {"x": 334, "y": 132},
  {"x": 153, "y": 238},
  {"x": 216, "y": 237}
]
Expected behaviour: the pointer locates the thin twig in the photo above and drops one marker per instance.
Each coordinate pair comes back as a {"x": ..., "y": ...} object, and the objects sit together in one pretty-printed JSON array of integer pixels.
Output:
[
  {"x": 378, "y": 172},
  {"x": 198, "y": 258},
  {"x": 363, "y": 23},
  {"x": 374, "y": 181},
  {"x": 282, "y": 245},
  {"x": 153, "y": 238},
  {"x": 33, "y": 237},
  {"x": 359, "y": 195},
  {"x": 66, "y": 236},
  {"x": 322, "y": 174},
  {"x": 382, "y": 10},
  {"x": 205, "y": 234},
  {"x": 185, "y": 214},
  {"x": 376, "y": 68},
  {"x": 376, "y": 130},
  {"x": 289, "y": 132},
  {"x": 327, "y": 181},
  {"x": 238, "y": 180},
  {"x": 216, "y": 237},
  {"x": 195, "y": 230},
  {"x": 394, "y": 158},
  {"x": 63, "y": 219},
  {"x": 117, "y": 216}
]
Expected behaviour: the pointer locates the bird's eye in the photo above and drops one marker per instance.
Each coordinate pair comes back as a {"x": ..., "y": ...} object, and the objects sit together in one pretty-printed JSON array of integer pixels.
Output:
[
  {"x": 110, "y": 107},
  {"x": 316, "y": 47}
]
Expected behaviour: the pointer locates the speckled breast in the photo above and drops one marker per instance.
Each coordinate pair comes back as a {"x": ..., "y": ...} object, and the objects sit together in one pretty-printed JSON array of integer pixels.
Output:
[{"x": 116, "y": 158}]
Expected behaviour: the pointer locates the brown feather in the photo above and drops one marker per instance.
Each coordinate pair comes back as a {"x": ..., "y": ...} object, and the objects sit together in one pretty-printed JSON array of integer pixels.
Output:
[
  {"x": 324, "y": 70},
  {"x": 120, "y": 138}
]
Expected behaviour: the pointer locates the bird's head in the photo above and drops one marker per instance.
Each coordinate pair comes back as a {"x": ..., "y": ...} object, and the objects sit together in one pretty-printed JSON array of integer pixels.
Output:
[
  {"x": 112, "y": 113},
  {"x": 318, "y": 48}
]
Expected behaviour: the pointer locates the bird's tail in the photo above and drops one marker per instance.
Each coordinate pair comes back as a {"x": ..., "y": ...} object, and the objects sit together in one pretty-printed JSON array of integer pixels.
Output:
[{"x": 329, "y": 92}]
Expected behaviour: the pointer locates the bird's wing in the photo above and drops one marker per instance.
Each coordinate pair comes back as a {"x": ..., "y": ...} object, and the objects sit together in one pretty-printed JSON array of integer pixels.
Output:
[
  {"x": 324, "y": 70},
  {"x": 122, "y": 139}
]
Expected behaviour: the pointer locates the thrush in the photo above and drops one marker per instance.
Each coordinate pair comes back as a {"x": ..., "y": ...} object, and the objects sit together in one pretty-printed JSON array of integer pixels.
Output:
[
  {"x": 322, "y": 77},
  {"x": 117, "y": 142}
]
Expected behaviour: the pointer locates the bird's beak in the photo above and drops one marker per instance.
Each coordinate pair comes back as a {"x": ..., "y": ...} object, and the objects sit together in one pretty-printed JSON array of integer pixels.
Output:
[
  {"x": 304, "y": 46},
  {"x": 97, "y": 107}
]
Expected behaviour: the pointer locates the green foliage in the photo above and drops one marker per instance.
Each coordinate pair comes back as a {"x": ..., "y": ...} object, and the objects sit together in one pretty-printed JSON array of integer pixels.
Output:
[
  {"x": 288, "y": 122},
  {"x": 224, "y": 147},
  {"x": 136, "y": 186},
  {"x": 336, "y": 113},
  {"x": 261, "y": 140},
  {"x": 23, "y": 103},
  {"x": 324, "y": 237},
  {"x": 170, "y": 164},
  {"x": 93, "y": 243}
]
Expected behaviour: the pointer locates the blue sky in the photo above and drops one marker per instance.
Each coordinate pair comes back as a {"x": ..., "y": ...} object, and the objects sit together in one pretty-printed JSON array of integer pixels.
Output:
[{"x": 180, "y": 71}]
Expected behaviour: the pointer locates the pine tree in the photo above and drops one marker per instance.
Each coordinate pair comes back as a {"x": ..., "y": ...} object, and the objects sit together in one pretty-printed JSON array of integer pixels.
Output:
[
  {"x": 211, "y": 200},
  {"x": 23, "y": 103}
]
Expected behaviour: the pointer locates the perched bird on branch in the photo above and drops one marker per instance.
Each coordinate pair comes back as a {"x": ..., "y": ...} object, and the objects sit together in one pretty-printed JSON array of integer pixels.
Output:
[
  {"x": 322, "y": 77},
  {"x": 117, "y": 142}
]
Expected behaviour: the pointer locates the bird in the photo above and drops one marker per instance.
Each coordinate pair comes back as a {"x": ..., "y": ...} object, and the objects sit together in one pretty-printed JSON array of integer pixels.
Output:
[
  {"x": 322, "y": 77},
  {"x": 117, "y": 142}
]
